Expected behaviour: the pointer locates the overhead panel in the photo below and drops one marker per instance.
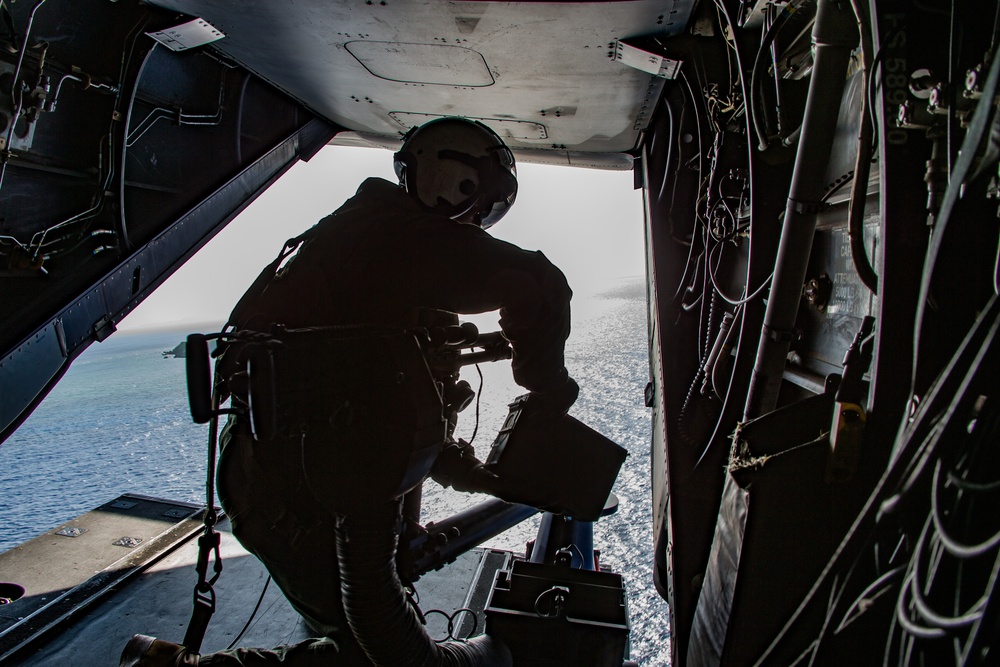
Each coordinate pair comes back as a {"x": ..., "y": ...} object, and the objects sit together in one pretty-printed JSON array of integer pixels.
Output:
[
  {"x": 374, "y": 67},
  {"x": 432, "y": 64}
]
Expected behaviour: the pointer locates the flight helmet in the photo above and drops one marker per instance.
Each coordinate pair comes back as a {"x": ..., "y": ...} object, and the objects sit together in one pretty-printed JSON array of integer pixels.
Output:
[{"x": 459, "y": 168}]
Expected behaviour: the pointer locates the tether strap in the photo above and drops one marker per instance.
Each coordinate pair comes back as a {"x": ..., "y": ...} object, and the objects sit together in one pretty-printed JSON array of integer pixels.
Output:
[{"x": 204, "y": 592}]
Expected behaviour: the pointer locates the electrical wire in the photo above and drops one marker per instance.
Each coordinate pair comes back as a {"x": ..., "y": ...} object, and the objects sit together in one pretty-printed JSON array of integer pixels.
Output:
[
  {"x": 670, "y": 148},
  {"x": 911, "y": 627},
  {"x": 479, "y": 395},
  {"x": 867, "y": 596},
  {"x": 691, "y": 287},
  {"x": 761, "y": 112},
  {"x": 972, "y": 486},
  {"x": 874, "y": 80},
  {"x": 673, "y": 195},
  {"x": 726, "y": 345},
  {"x": 937, "y": 545},
  {"x": 728, "y": 299},
  {"x": 837, "y": 590},
  {"x": 978, "y": 129},
  {"x": 952, "y": 545},
  {"x": 709, "y": 302},
  {"x": 727, "y": 37},
  {"x": 735, "y": 228},
  {"x": 760, "y": 62},
  {"x": 718, "y": 109},
  {"x": 955, "y": 386},
  {"x": 996, "y": 29},
  {"x": 920, "y": 604},
  {"x": 131, "y": 40},
  {"x": 701, "y": 152},
  {"x": 252, "y": 615},
  {"x": 954, "y": 46},
  {"x": 709, "y": 319},
  {"x": 689, "y": 265}
]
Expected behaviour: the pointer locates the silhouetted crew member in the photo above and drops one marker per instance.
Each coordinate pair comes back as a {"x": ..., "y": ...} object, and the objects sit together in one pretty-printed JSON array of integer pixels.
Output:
[{"x": 393, "y": 256}]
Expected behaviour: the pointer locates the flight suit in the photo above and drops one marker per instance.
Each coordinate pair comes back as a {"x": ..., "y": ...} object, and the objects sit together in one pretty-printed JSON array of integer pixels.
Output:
[{"x": 380, "y": 260}]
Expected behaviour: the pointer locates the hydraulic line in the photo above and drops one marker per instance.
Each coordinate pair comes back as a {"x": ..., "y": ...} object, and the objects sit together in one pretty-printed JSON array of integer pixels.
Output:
[
  {"x": 834, "y": 37},
  {"x": 15, "y": 94},
  {"x": 760, "y": 64},
  {"x": 862, "y": 168}
]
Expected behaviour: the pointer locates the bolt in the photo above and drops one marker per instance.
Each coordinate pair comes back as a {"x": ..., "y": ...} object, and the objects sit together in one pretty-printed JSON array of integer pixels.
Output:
[{"x": 973, "y": 84}]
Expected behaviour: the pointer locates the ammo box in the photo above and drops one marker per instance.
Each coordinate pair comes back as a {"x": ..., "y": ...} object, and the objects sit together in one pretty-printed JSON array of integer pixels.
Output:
[
  {"x": 558, "y": 464},
  {"x": 552, "y": 615}
]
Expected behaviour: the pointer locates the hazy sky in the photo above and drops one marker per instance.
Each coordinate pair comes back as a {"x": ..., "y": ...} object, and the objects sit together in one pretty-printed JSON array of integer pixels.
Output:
[{"x": 588, "y": 222}]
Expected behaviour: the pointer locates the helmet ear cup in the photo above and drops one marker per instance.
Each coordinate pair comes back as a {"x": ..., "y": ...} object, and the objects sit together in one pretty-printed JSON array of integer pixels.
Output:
[
  {"x": 504, "y": 183},
  {"x": 502, "y": 180},
  {"x": 404, "y": 165},
  {"x": 403, "y": 161}
]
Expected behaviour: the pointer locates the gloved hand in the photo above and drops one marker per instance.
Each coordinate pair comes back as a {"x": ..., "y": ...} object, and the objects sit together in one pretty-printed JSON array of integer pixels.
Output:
[
  {"x": 458, "y": 467},
  {"x": 554, "y": 401}
]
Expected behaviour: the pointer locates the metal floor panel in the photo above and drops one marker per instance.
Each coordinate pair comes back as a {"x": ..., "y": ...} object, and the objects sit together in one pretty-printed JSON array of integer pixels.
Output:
[
  {"x": 158, "y": 602},
  {"x": 66, "y": 570}
]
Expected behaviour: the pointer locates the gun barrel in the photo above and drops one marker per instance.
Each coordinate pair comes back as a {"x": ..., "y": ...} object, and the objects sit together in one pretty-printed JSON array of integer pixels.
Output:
[{"x": 452, "y": 537}]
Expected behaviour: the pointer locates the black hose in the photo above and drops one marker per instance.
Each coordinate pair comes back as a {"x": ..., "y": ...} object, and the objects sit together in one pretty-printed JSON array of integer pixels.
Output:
[
  {"x": 833, "y": 40},
  {"x": 381, "y": 618},
  {"x": 859, "y": 191},
  {"x": 759, "y": 65},
  {"x": 757, "y": 112}
]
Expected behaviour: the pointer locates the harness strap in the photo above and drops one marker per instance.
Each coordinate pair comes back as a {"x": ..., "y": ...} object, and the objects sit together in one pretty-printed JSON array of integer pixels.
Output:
[{"x": 208, "y": 545}]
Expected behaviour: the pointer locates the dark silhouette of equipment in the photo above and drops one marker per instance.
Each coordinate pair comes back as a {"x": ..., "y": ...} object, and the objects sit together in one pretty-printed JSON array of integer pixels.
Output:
[{"x": 557, "y": 608}]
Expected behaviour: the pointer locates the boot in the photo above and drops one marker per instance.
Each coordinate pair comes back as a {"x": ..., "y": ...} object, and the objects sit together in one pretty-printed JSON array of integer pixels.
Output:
[{"x": 143, "y": 651}]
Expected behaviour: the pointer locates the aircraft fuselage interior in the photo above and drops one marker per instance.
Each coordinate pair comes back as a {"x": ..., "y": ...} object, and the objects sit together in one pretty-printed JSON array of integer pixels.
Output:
[{"x": 821, "y": 192}]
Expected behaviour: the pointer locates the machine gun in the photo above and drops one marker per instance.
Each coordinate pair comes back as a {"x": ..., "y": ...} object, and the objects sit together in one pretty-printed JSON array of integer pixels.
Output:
[{"x": 555, "y": 603}]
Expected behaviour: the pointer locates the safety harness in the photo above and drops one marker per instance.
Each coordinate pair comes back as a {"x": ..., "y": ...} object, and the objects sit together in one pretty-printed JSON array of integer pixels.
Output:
[{"x": 210, "y": 540}]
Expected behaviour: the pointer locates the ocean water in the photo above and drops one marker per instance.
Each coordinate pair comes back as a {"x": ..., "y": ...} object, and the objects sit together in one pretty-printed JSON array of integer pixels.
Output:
[{"x": 118, "y": 422}]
